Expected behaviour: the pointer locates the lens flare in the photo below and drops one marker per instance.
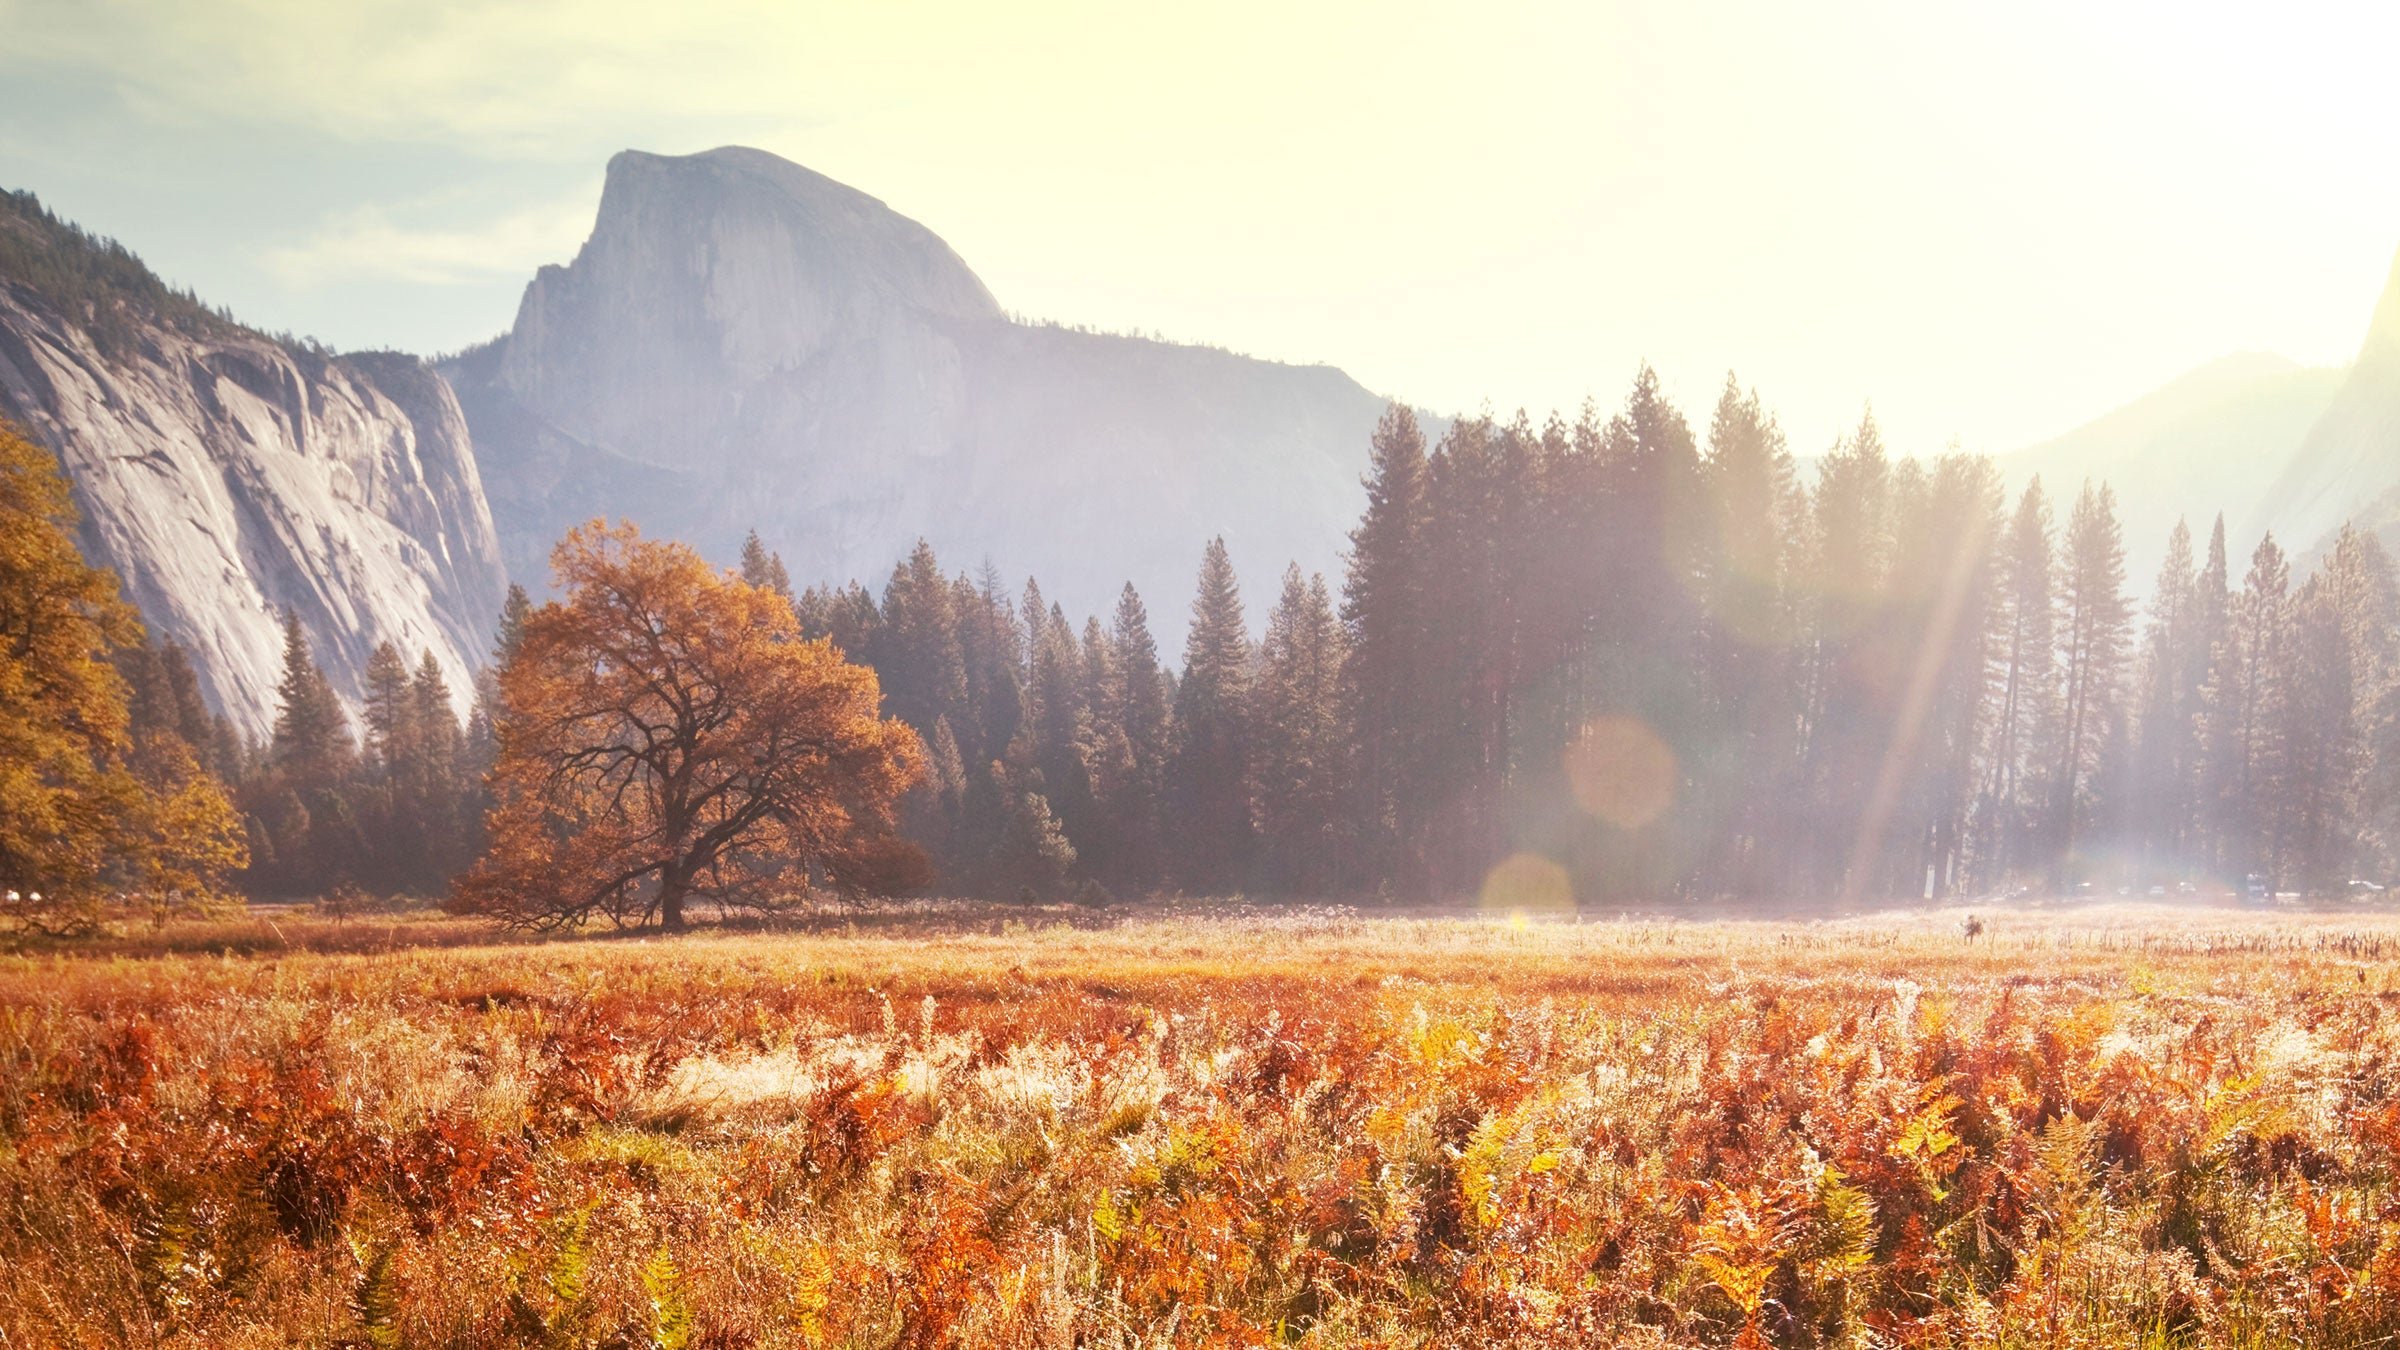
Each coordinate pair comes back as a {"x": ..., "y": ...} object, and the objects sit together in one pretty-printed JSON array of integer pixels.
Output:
[
  {"x": 1621, "y": 772},
  {"x": 1526, "y": 884}
]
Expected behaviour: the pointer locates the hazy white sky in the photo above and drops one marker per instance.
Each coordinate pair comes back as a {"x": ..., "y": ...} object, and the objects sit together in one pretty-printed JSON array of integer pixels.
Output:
[{"x": 1994, "y": 221}]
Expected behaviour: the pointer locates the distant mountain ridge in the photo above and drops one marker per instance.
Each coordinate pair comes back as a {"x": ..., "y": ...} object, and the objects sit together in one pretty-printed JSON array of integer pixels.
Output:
[
  {"x": 227, "y": 476},
  {"x": 2348, "y": 466},
  {"x": 2271, "y": 445},
  {"x": 743, "y": 343},
  {"x": 2208, "y": 441}
]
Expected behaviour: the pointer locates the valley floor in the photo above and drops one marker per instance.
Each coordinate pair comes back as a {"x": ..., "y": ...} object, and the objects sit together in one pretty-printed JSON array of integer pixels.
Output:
[{"x": 2087, "y": 1125}]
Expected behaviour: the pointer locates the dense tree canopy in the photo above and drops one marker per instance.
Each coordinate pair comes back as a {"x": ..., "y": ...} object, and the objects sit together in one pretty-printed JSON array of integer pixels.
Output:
[
  {"x": 1643, "y": 665},
  {"x": 94, "y": 805}
]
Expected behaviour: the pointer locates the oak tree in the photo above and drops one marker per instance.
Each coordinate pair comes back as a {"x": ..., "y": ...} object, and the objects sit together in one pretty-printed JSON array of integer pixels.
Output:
[{"x": 667, "y": 734}]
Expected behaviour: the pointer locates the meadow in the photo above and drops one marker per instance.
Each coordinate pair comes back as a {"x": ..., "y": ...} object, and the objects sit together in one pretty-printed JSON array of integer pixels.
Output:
[{"x": 2083, "y": 1126}]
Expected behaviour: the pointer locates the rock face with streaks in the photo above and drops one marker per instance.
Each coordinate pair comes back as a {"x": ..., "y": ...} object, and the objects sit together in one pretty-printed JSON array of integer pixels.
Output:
[
  {"x": 2348, "y": 467},
  {"x": 228, "y": 476},
  {"x": 743, "y": 343}
]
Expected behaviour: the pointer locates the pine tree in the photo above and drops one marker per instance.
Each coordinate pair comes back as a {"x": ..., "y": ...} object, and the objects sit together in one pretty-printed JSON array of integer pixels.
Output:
[
  {"x": 916, "y": 648},
  {"x": 1847, "y": 720},
  {"x": 2342, "y": 666},
  {"x": 1053, "y": 743},
  {"x": 2097, "y": 620},
  {"x": 2213, "y": 788},
  {"x": 442, "y": 796},
  {"x": 1035, "y": 855},
  {"x": 1941, "y": 596},
  {"x": 1454, "y": 788},
  {"x": 311, "y": 743},
  {"x": 2165, "y": 752},
  {"x": 2025, "y": 724},
  {"x": 1138, "y": 713},
  {"x": 1748, "y": 640},
  {"x": 763, "y": 569},
  {"x": 935, "y": 813},
  {"x": 390, "y": 712},
  {"x": 482, "y": 744},
  {"x": 1208, "y": 779},
  {"x": 1301, "y": 738},
  {"x": 991, "y": 649},
  {"x": 2243, "y": 718},
  {"x": 514, "y": 610},
  {"x": 1383, "y": 600},
  {"x": 2314, "y": 828}
]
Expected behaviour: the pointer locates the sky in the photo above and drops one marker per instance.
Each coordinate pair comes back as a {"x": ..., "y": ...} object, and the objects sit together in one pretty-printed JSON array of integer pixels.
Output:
[{"x": 1990, "y": 222}]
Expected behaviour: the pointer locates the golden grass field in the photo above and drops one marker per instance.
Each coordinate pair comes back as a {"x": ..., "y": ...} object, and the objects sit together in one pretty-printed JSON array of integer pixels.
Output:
[{"x": 2087, "y": 1126}]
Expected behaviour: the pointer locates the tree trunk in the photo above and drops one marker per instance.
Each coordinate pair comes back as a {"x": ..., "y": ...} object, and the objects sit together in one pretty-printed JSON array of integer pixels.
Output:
[{"x": 673, "y": 885}]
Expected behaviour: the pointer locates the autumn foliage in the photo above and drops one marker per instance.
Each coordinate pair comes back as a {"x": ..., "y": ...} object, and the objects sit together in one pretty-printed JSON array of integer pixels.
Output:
[
  {"x": 1219, "y": 1131},
  {"x": 93, "y": 808},
  {"x": 667, "y": 735}
]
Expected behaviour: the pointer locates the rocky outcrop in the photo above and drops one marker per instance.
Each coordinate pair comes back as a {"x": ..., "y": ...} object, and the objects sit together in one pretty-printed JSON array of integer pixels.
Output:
[
  {"x": 227, "y": 476},
  {"x": 745, "y": 344}
]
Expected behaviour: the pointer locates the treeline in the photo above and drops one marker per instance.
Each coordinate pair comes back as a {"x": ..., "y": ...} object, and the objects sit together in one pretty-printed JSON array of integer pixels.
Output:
[
  {"x": 1609, "y": 662},
  {"x": 1626, "y": 662},
  {"x": 397, "y": 810},
  {"x": 1065, "y": 762},
  {"x": 97, "y": 281}
]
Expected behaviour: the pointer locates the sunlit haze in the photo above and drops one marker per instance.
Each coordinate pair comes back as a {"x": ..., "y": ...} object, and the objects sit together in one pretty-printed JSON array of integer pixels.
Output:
[{"x": 1993, "y": 222}]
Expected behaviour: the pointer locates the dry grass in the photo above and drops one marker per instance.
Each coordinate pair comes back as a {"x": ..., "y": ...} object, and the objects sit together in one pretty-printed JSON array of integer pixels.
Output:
[{"x": 2094, "y": 1126}]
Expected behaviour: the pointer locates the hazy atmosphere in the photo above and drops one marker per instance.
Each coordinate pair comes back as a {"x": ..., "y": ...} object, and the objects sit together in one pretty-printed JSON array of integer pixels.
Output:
[
  {"x": 1995, "y": 222},
  {"x": 1316, "y": 676}
]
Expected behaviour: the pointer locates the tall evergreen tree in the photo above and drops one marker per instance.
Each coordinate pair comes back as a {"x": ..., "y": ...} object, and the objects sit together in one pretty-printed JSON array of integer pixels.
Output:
[
  {"x": 1940, "y": 607},
  {"x": 916, "y": 647},
  {"x": 2025, "y": 724},
  {"x": 2166, "y": 753},
  {"x": 763, "y": 569},
  {"x": 1138, "y": 713},
  {"x": 2242, "y": 722},
  {"x": 1208, "y": 778},
  {"x": 1383, "y": 600},
  {"x": 1750, "y": 632},
  {"x": 390, "y": 712},
  {"x": 2096, "y": 620},
  {"x": 443, "y": 797},
  {"x": 1301, "y": 739},
  {"x": 312, "y": 742},
  {"x": 1049, "y": 756},
  {"x": 1845, "y": 721}
]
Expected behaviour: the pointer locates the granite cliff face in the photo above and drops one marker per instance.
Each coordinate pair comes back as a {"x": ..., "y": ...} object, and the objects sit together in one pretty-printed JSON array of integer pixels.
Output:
[
  {"x": 745, "y": 344},
  {"x": 227, "y": 476},
  {"x": 2209, "y": 442},
  {"x": 2348, "y": 467}
]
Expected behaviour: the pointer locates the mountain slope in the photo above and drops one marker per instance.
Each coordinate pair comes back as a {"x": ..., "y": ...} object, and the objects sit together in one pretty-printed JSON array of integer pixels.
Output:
[
  {"x": 743, "y": 343},
  {"x": 226, "y": 475},
  {"x": 2209, "y": 441},
  {"x": 2348, "y": 467}
]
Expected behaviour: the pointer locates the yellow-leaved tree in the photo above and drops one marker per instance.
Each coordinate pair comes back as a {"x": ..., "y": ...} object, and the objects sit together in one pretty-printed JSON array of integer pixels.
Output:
[
  {"x": 90, "y": 812},
  {"x": 667, "y": 735}
]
